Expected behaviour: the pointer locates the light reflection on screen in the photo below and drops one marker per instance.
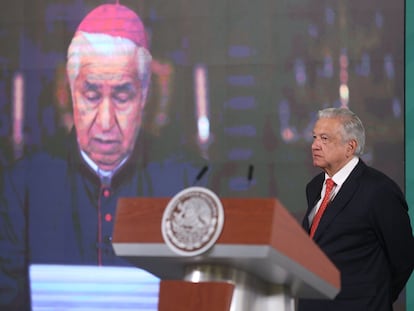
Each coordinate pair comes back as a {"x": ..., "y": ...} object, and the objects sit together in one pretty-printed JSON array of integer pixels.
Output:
[{"x": 66, "y": 288}]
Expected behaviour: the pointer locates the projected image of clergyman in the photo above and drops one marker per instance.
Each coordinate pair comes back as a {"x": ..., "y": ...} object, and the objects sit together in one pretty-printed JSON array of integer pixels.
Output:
[{"x": 57, "y": 205}]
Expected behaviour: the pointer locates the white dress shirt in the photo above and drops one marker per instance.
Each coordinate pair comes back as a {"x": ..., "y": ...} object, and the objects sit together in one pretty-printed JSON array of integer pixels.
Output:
[{"x": 339, "y": 178}]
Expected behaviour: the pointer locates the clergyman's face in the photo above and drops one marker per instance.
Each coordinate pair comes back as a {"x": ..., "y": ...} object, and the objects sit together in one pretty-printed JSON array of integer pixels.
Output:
[
  {"x": 107, "y": 107},
  {"x": 329, "y": 151}
]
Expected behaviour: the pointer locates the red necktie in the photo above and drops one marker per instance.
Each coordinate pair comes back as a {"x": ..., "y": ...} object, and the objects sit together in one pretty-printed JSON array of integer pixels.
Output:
[{"x": 329, "y": 186}]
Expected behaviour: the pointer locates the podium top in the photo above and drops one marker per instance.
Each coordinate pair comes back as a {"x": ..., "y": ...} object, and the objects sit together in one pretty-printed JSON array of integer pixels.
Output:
[{"x": 259, "y": 236}]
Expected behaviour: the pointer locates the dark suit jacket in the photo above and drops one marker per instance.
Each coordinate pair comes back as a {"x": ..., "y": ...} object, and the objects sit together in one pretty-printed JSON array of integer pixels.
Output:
[{"x": 366, "y": 233}]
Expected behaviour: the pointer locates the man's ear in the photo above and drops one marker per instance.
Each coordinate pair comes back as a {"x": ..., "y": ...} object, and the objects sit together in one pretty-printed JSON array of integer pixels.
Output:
[
  {"x": 144, "y": 94},
  {"x": 351, "y": 147}
]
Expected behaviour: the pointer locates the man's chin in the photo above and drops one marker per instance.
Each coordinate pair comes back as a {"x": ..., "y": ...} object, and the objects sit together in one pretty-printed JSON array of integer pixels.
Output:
[{"x": 317, "y": 163}]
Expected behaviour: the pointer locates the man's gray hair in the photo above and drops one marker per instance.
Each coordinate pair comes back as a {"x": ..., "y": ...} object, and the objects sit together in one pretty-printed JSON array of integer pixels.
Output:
[
  {"x": 86, "y": 43},
  {"x": 352, "y": 127}
]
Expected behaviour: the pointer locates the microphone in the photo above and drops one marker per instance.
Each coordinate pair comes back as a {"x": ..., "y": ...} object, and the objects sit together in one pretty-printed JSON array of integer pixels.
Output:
[
  {"x": 250, "y": 173},
  {"x": 200, "y": 174}
]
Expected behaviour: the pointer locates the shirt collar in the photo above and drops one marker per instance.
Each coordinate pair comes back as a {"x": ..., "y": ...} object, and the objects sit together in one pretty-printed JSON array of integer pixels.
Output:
[
  {"x": 104, "y": 175},
  {"x": 340, "y": 176}
]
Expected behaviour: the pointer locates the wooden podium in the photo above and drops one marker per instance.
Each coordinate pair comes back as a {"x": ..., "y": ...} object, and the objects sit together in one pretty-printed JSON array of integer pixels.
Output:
[{"x": 263, "y": 259}]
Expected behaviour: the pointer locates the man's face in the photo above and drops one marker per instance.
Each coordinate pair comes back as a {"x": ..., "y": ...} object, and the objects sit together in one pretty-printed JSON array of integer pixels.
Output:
[
  {"x": 329, "y": 151},
  {"x": 107, "y": 106}
]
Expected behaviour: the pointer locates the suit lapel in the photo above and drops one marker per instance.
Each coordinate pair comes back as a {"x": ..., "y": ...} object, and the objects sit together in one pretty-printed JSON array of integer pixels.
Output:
[
  {"x": 341, "y": 199},
  {"x": 313, "y": 194}
]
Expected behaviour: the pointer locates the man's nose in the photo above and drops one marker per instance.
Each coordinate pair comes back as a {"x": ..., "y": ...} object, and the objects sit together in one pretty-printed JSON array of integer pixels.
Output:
[
  {"x": 106, "y": 114},
  {"x": 315, "y": 144}
]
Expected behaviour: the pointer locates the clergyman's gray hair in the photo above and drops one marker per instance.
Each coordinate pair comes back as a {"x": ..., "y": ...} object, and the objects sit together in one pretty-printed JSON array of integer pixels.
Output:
[
  {"x": 352, "y": 127},
  {"x": 85, "y": 43}
]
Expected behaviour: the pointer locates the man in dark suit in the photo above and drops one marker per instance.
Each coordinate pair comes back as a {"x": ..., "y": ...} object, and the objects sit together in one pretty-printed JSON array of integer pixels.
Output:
[{"x": 365, "y": 229}]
